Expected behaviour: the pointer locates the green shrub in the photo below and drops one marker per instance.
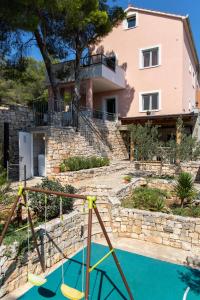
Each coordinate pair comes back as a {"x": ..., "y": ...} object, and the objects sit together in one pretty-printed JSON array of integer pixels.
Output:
[
  {"x": 4, "y": 184},
  {"x": 128, "y": 178},
  {"x": 184, "y": 188},
  {"x": 193, "y": 211},
  {"x": 77, "y": 163},
  {"x": 165, "y": 177},
  {"x": 37, "y": 200},
  {"x": 146, "y": 198}
]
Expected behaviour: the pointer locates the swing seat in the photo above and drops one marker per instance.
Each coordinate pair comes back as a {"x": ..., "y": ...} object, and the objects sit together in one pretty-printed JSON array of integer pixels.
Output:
[
  {"x": 71, "y": 293},
  {"x": 36, "y": 280}
]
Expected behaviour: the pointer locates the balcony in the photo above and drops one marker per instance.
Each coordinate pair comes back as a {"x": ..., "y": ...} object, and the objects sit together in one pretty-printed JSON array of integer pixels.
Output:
[
  {"x": 103, "y": 70},
  {"x": 45, "y": 116}
]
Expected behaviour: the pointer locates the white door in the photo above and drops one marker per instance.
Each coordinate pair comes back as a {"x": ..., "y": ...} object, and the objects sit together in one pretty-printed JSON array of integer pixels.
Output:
[{"x": 25, "y": 155}]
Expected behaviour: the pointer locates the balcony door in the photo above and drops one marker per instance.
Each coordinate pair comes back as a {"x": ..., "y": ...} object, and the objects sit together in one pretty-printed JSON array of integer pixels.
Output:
[{"x": 110, "y": 108}]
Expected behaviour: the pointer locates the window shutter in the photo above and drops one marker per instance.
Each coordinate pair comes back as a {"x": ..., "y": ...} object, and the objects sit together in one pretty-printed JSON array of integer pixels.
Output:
[{"x": 140, "y": 103}]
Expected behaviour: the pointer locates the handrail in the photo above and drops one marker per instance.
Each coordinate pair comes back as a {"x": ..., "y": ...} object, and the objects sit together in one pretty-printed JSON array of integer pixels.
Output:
[
  {"x": 103, "y": 115},
  {"x": 90, "y": 125}
]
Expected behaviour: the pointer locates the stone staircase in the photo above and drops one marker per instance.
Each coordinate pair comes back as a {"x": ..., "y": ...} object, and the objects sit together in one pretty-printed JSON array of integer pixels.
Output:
[{"x": 104, "y": 137}]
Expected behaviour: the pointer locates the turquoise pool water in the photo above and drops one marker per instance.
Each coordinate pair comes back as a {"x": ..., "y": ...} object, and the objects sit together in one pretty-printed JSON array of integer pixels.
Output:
[{"x": 149, "y": 279}]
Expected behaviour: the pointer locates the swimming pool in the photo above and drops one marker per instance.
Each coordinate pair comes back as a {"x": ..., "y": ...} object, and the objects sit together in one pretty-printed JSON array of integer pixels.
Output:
[{"x": 149, "y": 279}]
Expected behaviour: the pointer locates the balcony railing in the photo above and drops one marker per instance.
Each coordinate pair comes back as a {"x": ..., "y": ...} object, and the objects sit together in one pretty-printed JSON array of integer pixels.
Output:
[
  {"x": 99, "y": 114},
  {"x": 96, "y": 59},
  {"x": 44, "y": 115},
  {"x": 91, "y": 60}
]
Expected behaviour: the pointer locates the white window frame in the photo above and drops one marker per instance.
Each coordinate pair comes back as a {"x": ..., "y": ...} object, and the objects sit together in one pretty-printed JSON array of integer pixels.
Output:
[
  {"x": 130, "y": 15},
  {"x": 141, "y": 59},
  {"x": 141, "y": 94}
]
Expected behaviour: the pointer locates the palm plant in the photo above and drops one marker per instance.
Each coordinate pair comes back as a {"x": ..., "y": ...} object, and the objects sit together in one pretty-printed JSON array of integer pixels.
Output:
[{"x": 184, "y": 187}]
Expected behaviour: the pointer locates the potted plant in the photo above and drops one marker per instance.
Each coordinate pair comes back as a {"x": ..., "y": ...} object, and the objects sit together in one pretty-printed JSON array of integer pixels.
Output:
[{"x": 127, "y": 178}]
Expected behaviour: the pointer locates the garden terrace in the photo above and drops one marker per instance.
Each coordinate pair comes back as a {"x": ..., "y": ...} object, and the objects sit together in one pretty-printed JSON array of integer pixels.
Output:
[{"x": 161, "y": 235}]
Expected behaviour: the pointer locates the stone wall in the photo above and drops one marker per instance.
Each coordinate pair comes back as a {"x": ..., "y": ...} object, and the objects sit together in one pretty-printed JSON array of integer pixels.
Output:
[
  {"x": 113, "y": 146},
  {"x": 163, "y": 229},
  {"x": 70, "y": 177},
  {"x": 160, "y": 228},
  {"x": 175, "y": 231},
  {"x": 14, "y": 268},
  {"x": 60, "y": 242},
  {"x": 19, "y": 118},
  {"x": 169, "y": 169},
  {"x": 62, "y": 143}
]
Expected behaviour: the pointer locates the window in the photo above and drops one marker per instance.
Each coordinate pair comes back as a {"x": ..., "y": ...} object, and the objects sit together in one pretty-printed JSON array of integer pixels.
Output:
[
  {"x": 149, "y": 101},
  {"x": 150, "y": 57},
  {"x": 131, "y": 22}
]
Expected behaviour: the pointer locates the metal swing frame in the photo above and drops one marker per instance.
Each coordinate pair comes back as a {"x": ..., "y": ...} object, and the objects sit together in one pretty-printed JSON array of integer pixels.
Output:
[{"x": 92, "y": 207}]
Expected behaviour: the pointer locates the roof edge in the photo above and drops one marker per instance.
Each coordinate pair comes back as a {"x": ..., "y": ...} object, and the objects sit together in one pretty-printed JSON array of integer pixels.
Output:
[
  {"x": 155, "y": 12},
  {"x": 186, "y": 22}
]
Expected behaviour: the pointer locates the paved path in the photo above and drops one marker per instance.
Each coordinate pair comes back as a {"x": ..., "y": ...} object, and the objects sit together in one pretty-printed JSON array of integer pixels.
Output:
[
  {"x": 162, "y": 252},
  {"x": 113, "y": 180}
]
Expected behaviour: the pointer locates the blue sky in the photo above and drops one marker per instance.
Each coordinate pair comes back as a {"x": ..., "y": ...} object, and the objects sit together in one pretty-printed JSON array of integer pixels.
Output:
[{"x": 182, "y": 7}]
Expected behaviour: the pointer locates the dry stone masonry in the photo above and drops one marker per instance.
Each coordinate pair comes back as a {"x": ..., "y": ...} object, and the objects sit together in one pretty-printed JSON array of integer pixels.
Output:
[
  {"x": 162, "y": 229},
  {"x": 19, "y": 118},
  {"x": 71, "y": 177},
  {"x": 169, "y": 169}
]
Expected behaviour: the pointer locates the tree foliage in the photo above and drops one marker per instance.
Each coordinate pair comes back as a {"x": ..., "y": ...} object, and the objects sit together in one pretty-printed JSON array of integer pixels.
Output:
[
  {"x": 37, "y": 200},
  {"x": 146, "y": 140},
  {"x": 23, "y": 87},
  {"x": 188, "y": 148},
  {"x": 147, "y": 144},
  {"x": 57, "y": 28}
]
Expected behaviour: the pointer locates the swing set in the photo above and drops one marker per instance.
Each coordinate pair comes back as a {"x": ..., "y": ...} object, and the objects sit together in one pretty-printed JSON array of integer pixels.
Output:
[{"x": 38, "y": 280}]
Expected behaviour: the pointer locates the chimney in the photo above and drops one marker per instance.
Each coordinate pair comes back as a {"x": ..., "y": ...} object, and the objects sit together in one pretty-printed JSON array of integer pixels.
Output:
[{"x": 130, "y": 4}]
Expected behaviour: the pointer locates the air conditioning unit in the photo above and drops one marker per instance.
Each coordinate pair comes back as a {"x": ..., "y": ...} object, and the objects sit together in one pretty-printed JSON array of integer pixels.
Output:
[{"x": 150, "y": 113}]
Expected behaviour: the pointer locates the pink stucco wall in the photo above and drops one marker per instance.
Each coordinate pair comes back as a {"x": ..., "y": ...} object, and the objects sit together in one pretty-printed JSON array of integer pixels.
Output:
[
  {"x": 189, "y": 76},
  {"x": 172, "y": 77}
]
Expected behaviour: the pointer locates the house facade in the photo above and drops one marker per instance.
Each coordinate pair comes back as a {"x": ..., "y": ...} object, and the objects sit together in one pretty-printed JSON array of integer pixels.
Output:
[
  {"x": 146, "y": 69},
  {"x": 161, "y": 64},
  {"x": 156, "y": 72}
]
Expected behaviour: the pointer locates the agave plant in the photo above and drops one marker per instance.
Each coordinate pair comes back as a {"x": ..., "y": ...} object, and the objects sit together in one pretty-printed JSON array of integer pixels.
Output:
[{"x": 184, "y": 188}]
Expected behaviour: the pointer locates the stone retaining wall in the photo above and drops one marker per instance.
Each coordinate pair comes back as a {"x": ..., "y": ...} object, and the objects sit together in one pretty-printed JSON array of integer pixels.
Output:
[
  {"x": 116, "y": 149},
  {"x": 175, "y": 231},
  {"x": 169, "y": 169},
  {"x": 62, "y": 143},
  {"x": 66, "y": 241},
  {"x": 163, "y": 229},
  {"x": 19, "y": 118},
  {"x": 70, "y": 177}
]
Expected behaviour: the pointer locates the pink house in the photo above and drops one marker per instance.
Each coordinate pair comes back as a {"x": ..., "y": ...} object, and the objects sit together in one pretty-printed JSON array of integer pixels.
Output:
[{"x": 145, "y": 69}]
